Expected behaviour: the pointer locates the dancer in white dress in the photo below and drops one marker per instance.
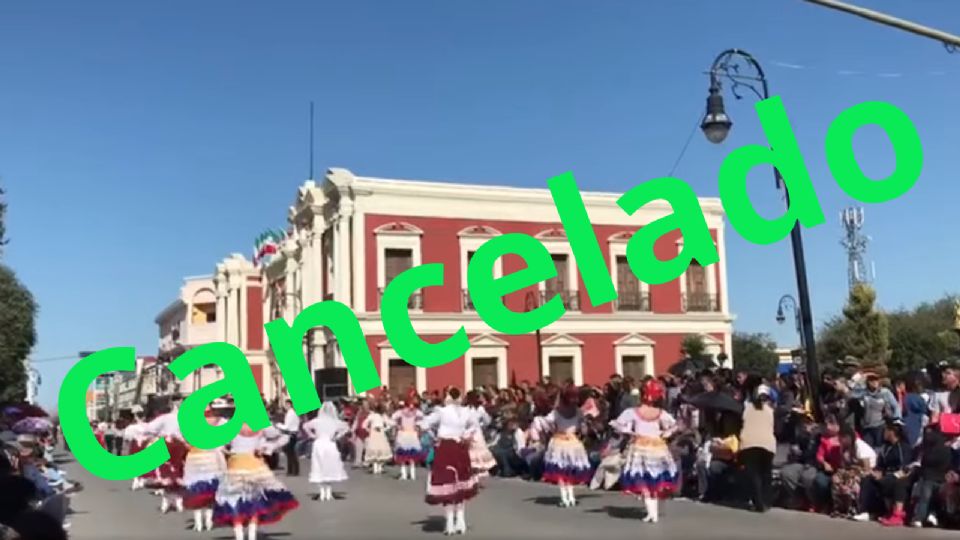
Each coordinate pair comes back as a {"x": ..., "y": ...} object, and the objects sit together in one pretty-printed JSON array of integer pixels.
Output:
[
  {"x": 326, "y": 466},
  {"x": 408, "y": 451},
  {"x": 377, "y": 450},
  {"x": 135, "y": 436}
]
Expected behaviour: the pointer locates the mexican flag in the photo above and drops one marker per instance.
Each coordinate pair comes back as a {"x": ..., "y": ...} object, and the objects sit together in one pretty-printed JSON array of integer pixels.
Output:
[{"x": 266, "y": 245}]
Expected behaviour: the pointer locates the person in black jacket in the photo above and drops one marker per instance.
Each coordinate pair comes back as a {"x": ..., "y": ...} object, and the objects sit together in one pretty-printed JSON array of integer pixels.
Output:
[
  {"x": 799, "y": 475},
  {"x": 886, "y": 487},
  {"x": 936, "y": 460}
]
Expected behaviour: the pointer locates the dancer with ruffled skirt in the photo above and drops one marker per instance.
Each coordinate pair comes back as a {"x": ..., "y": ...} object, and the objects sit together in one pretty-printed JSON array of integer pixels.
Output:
[
  {"x": 566, "y": 462},
  {"x": 407, "y": 449},
  {"x": 649, "y": 471}
]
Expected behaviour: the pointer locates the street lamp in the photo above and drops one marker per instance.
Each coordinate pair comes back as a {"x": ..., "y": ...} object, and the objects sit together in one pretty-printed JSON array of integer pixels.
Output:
[
  {"x": 790, "y": 304},
  {"x": 742, "y": 70}
]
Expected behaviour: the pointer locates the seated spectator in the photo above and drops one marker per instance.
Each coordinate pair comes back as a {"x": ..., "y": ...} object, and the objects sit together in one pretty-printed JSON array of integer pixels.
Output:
[
  {"x": 37, "y": 525},
  {"x": 883, "y": 491},
  {"x": 799, "y": 475},
  {"x": 718, "y": 457},
  {"x": 934, "y": 473},
  {"x": 857, "y": 458},
  {"x": 506, "y": 449}
]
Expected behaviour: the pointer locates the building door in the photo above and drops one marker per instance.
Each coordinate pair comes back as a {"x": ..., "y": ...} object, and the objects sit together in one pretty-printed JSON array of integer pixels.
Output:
[
  {"x": 698, "y": 298},
  {"x": 561, "y": 369},
  {"x": 634, "y": 366},
  {"x": 485, "y": 372},
  {"x": 403, "y": 376}
]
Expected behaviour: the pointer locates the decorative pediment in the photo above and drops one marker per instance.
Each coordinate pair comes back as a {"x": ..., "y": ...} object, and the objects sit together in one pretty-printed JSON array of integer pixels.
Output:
[
  {"x": 398, "y": 227},
  {"x": 635, "y": 340},
  {"x": 479, "y": 230},
  {"x": 555, "y": 233},
  {"x": 487, "y": 340},
  {"x": 621, "y": 236},
  {"x": 385, "y": 344},
  {"x": 562, "y": 340}
]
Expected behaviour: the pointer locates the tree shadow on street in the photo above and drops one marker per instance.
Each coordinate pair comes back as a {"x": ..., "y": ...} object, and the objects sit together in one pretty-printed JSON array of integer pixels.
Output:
[
  {"x": 550, "y": 500},
  {"x": 433, "y": 524},
  {"x": 620, "y": 512}
]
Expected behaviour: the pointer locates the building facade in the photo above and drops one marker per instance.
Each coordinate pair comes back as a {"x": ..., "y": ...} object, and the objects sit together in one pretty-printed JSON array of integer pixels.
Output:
[
  {"x": 191, "y": 319},
  {"x": 348, "y": 236}
]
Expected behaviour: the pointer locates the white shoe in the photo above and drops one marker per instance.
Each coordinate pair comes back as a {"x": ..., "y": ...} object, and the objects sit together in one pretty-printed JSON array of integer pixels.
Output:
[
  {"x": 862, "y": 517},
  {"x": 933, "y": 521},
  {"x": 916, "y": 525},
  {"x": 164, "y": 505},
  {"x": 179, "y": 504}
]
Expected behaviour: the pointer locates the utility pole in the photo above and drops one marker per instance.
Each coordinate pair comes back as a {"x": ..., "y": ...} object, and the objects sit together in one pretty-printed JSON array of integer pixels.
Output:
[{"x": 950, "y": 41}]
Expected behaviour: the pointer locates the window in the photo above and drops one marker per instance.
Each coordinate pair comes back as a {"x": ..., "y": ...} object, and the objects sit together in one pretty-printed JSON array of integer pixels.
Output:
[
  {"x": 561, "y": 369},
  {"x": 204, "y": 313},
  {"x": 397, "y": 261},
  {"x": 630, "y": 293},
  {"x": 471, "y": 239},
  {"x": 560, "y": 285},
  {"x": 634, "y": 366},
  {"x": 467, "y": 302},
  {"x": 485, "y": 371},
  {"x": 698, "y": 296}
]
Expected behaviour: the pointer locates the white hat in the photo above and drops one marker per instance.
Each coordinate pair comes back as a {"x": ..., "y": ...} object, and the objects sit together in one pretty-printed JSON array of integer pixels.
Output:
[{"x": 764, "y": 390}]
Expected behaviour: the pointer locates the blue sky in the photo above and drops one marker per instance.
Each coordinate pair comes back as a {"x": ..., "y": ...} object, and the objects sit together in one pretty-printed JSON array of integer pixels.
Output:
[{"x": 141, "y": 142}]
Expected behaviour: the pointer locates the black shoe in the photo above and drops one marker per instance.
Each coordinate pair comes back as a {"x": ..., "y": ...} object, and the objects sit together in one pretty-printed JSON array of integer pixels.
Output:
[{"x": 315, "y": 497}]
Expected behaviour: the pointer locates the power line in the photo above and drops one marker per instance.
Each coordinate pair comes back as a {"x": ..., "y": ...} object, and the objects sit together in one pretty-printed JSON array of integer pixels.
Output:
[{"x": 683, "y": 150}]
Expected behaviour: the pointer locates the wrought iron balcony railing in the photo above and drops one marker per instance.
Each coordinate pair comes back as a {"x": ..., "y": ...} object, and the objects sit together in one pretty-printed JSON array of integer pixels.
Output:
[
  {"x": 633, "y": 301},
  {"x": 701, "y": 302}
]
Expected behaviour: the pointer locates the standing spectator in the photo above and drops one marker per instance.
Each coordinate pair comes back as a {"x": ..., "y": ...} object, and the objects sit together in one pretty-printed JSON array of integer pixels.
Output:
[
  {"x": 758, "y": 446},
  {"x": 935, "y": 461},
  {"x": 291, "y": 428},
  {"x": 916, "y": 409},
  {"x": 879, "y": 405}
]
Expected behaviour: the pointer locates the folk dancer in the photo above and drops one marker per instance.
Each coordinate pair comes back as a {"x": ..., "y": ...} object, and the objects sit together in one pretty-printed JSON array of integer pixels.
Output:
[
  {"x": 649, "y": 470},
  {"x": 326, "y": 466},
  {"x": 249, "y": 494},
  {"x": 202, "y": 472},
  {"x": 377, "y": 447},
  {"x": 481, "y": 459},
  {"x": 451, "y": 483},
  {"x": 407, "y": 448},
  {"x": 135, "y": 436},
  {"x": 167, "y": 428},
  {"x": 566, "y": 463}
]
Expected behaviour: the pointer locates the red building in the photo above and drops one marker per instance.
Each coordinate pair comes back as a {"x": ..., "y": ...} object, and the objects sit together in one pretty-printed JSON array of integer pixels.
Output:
[{"x": 349, "y": 236}]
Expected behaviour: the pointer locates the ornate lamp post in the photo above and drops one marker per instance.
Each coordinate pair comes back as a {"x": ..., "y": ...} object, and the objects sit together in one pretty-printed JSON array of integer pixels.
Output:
[{"x": 742, "y": 70}]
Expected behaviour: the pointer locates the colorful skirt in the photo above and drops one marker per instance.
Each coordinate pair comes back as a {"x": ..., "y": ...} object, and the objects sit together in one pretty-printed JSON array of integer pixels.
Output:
[
  {"x": 202, "y": 471},
  {"x": 407, "y": 448},
  {"x": 481, "y": 459},
  {"x": 566, "y": 461},
  {"x": 377, "y": 448},
  {"x": 151, "y": 479},
  {"x": 451, "y": 474},
  {"x": 649, "y": 468},
  {"x": 171, "y": 472},
  {"x": 248, "y": 491}
]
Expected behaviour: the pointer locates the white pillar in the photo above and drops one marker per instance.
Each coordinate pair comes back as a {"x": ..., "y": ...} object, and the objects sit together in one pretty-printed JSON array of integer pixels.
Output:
[{"x": 342, "y": 247}]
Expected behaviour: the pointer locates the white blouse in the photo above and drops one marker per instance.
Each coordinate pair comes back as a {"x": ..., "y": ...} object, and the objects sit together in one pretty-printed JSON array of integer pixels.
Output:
[
  {"x": 407, "y": 419},
  {"x": 376, "y": 422},
  {"x": 242, "y": 444},
  {"x": 561, "y": 424},
  {"x": 630, "y": 422},
  {"x": 325, "y": 428},
  {"x": 450, "y": 421},
  {"x": 165, "y": 426}
]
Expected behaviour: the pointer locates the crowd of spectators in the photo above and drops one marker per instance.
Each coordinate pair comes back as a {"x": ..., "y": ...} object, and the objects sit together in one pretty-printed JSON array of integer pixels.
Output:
[
  {"x": 882, "y": 451},
  {"x": 34, "y": 491}
]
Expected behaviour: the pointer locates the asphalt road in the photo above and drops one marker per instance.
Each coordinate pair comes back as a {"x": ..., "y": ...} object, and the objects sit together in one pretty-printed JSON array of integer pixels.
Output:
[{"x": 384, "y": 507}]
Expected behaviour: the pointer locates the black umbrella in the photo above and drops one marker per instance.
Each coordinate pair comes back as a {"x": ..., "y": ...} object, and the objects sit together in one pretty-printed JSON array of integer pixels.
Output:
[{"x": 718, "y": 401}]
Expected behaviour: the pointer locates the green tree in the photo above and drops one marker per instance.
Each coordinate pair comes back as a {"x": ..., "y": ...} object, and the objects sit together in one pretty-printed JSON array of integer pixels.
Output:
[
  {"x": 17, "y": 334},
  {"x": 755, "y": 354},
  {"x": 863, "y": 333}
]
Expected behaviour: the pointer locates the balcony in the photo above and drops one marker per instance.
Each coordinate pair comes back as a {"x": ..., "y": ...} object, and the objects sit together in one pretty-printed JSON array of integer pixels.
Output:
[
  {"x": 632, "y": 301},
  {"x": 571, "y": 299},
  {"x": 465, "y": 301},
  {"x": 700, "y": 302},
  {"x": 415, "y": 301}
]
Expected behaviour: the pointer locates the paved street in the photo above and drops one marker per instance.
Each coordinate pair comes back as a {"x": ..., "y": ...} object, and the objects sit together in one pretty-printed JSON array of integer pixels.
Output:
[{"x": 375, "y": 507}]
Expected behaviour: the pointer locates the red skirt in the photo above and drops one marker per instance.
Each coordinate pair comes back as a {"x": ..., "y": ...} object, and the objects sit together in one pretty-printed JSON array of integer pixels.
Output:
[
  {"x": 451, "y": 474},
  {"x": 171, "y": 472}
]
